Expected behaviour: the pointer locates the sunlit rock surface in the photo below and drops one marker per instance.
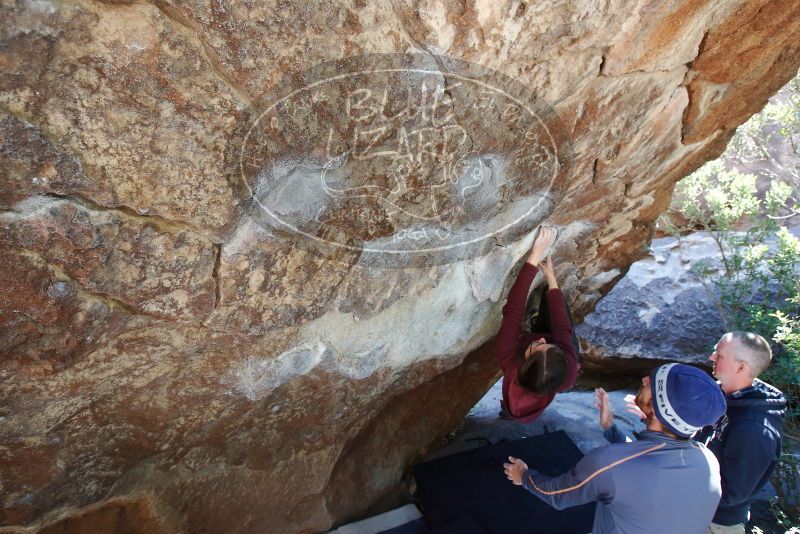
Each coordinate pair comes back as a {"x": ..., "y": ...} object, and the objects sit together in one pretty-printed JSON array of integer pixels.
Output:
[
  {"x": 659, "y": 312},
  {"x": 176, "y": 359}
]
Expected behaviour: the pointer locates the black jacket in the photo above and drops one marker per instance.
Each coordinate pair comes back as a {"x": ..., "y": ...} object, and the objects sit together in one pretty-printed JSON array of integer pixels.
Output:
[{"x": 747, "y": 443}]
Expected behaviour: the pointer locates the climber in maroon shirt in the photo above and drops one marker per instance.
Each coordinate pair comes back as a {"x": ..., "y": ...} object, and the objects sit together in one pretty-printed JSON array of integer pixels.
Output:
[{"x": 540, "y": 364}]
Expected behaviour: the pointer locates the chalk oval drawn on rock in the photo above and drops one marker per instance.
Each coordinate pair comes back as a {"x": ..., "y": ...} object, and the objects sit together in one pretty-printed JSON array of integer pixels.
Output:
[{"x": 403, "y": 159}]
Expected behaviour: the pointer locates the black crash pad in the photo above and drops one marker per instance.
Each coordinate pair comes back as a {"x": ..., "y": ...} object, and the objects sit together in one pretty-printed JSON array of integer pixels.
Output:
[
  {"x": 472, "y": 483},
  {"x": 463, "y": 525},
  {"x": 416, "y": 526}
]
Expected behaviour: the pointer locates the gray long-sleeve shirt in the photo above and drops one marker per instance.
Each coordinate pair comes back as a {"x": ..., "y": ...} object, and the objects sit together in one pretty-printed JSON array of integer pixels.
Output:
[{"x": 654, "y": 485}]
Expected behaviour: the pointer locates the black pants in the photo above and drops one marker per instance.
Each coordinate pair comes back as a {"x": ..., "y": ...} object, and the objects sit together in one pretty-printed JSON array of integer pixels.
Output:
[{"x": 541, "y": 322}]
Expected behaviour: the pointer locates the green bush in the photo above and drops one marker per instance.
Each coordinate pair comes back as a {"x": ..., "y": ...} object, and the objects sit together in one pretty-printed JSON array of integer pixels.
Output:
[{"x": 755, "y": 286}]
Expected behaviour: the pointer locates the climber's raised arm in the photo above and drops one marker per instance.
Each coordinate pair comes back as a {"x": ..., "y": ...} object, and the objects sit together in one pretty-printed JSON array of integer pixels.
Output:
[{"x": 506, "y": 343}]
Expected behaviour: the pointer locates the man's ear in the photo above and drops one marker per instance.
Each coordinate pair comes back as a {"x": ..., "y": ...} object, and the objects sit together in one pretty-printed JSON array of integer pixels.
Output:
[{"x": 742, "y": 367}]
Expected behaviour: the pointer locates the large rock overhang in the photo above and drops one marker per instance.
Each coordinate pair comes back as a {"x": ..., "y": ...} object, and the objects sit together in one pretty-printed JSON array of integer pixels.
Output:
[{"x": 184, "y": 349}]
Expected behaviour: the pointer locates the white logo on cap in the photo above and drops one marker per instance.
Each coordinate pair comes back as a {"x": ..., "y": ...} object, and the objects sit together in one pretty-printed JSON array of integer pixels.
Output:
[{"x": 664, "y": 406}]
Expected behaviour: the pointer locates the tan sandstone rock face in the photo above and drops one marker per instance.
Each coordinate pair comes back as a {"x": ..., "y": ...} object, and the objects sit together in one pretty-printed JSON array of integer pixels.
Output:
[{"x": 208, "y": 319}]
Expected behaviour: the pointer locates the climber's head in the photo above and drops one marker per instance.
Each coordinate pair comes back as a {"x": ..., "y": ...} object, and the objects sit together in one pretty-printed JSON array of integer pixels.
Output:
[{"x": 543, "y": 368}]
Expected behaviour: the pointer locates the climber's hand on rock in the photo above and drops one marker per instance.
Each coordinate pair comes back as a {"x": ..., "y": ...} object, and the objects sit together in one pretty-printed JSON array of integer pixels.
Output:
[
  {"x": 603, "y": 404},
  {"x": 546, "y": 237},
  {"x": 514, "y": 470}
]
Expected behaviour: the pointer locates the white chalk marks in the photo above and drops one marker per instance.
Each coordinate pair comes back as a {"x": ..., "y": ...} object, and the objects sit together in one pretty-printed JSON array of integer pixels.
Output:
[{"x": 257, "y": 376}]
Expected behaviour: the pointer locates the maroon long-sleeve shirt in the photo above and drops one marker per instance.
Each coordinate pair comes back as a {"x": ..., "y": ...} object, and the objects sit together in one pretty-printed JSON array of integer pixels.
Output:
[{"x": 520, "y": 403}]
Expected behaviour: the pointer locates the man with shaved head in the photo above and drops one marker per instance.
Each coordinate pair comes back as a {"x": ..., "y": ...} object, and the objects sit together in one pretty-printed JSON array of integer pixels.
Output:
[{"x": 747, "y": 439}]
